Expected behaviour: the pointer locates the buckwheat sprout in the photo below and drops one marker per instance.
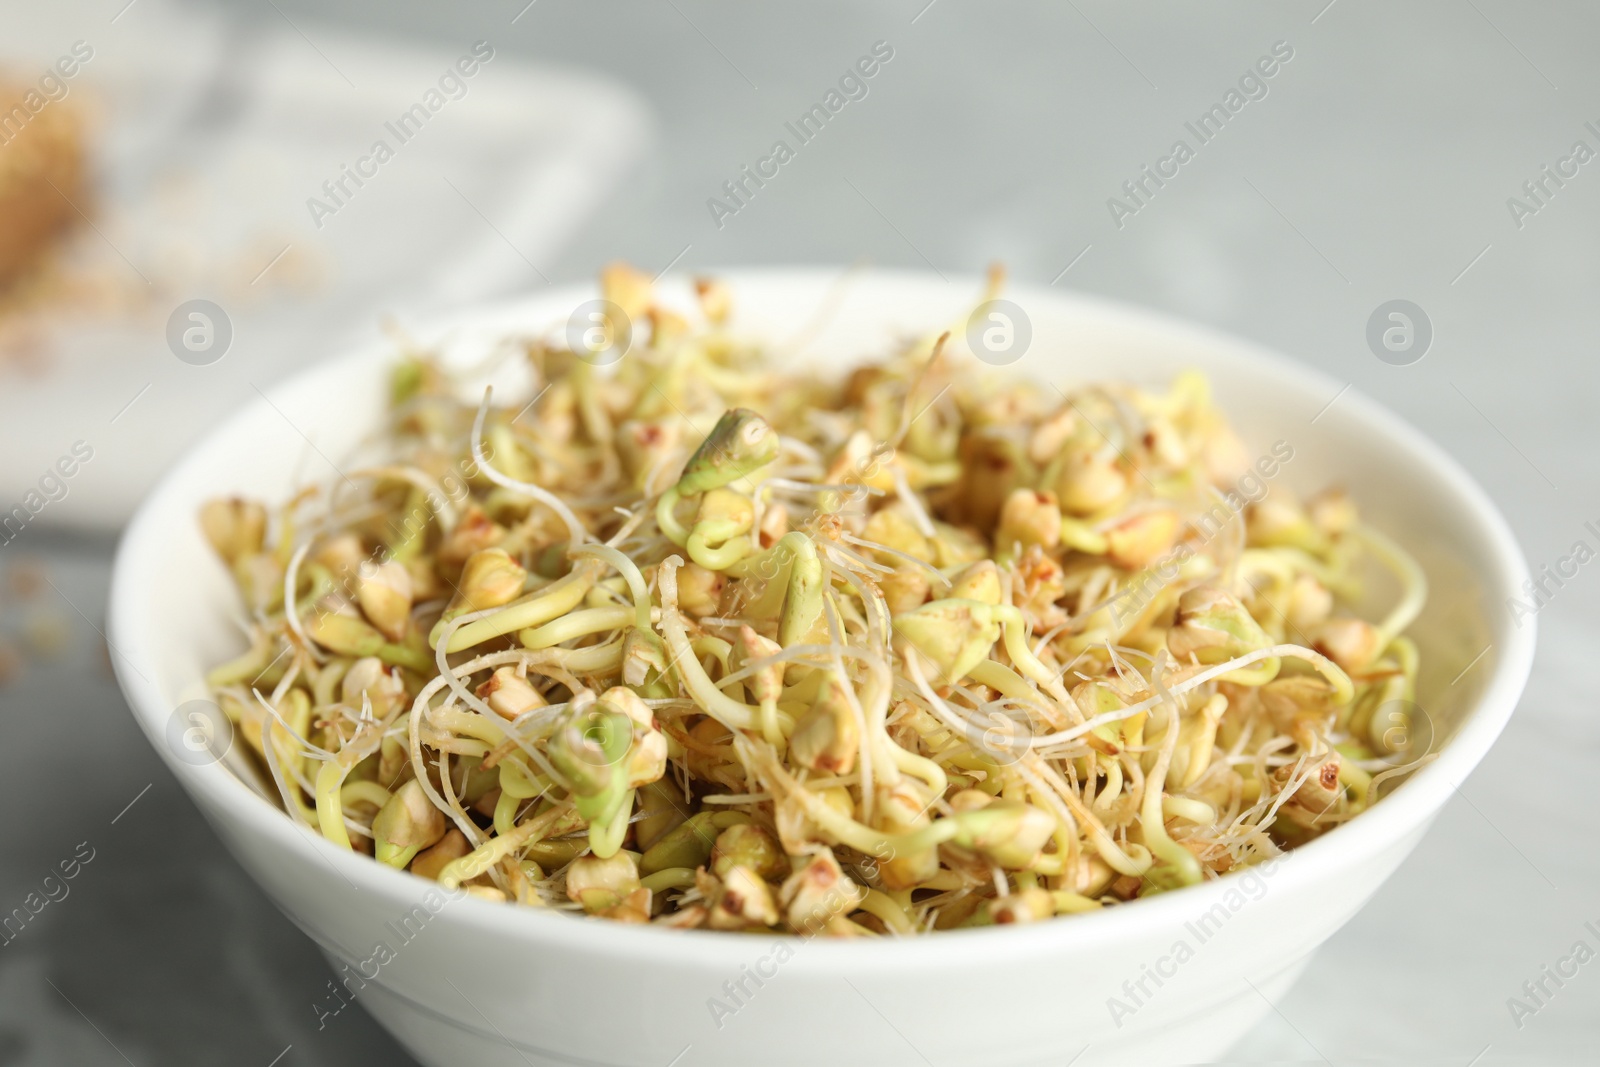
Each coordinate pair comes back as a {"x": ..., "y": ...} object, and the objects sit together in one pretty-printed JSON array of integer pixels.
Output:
[
  {"x": 736, "y": 798},
  {"x": 1043, "y": 641},
  {"x": 1396, "y": 771},
  {"x": 1292, "y": 786},
  {"x": 451, "y": 677},
  {"x": 1051, "y": 797},
  {"x": 867, "y": 731},
  {"x": 330, "y": 778},
  {"x": 1151, "y": 816},
  {"x": 543, "y": 605},
  {"x": 576, "y": 534},
  {"x": 934, "y": 573},
  {"x": 858, "y": 565},
  {"x": 1413, "y": 584},
  {"x": 438, "y": 500},
  {"x": 792, "y": 654},
  {"x": 1013, "y": 630},
  {"x": 1003, "y": 679},
  {"x": 637, "y": 586},
  {"x": 1108, "y": 849},
  {"x": 277, "y": 717},
  {"x": 911, "y": 501},
  {"x": 876, "y": 902},
  {"x": 800, "y": 448},
  {"x": 731, "y": 713},
  {"x": 581, "y": 624},
  {"x": 476, "y": 835},
  {"x": 291, "y": 800},
  {"x": 291, "y": 613},
  {"x": 449, "y": 674},
  {"x": 272, "y": 757},
  {"x": 1343, "y": 690},
  {"x": 816, "y": 488},
  {"x": 880, "y": 621},
  {"x": 464, "y": 823},
  {"x": 853, "y": 833}
]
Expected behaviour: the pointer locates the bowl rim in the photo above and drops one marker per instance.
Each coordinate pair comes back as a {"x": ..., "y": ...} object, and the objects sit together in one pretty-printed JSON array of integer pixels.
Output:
[{"x": 1405, "y": 811}]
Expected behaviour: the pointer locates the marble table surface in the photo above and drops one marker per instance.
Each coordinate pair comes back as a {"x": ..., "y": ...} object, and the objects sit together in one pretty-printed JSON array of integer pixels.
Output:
[{"x": 1380, "y": 162}]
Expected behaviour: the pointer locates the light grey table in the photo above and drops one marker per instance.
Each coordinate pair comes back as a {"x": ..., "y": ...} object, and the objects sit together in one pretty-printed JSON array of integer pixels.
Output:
[{"x": 1378, "y": 165}]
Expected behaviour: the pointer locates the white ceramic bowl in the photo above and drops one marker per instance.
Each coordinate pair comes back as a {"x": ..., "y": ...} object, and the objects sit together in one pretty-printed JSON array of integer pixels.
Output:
[{"x": 1176, "y": 978}]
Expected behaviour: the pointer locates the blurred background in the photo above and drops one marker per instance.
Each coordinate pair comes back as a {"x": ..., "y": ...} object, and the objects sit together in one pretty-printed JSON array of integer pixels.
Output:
[{"x": 196, "y": 161}]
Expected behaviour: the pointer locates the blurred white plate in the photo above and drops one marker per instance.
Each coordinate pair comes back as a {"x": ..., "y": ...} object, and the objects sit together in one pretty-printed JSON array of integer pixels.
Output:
[{"x": 210, "y": 137}]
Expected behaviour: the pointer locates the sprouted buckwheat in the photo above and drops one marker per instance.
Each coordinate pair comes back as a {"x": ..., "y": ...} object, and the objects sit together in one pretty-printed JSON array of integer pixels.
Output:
[{"x": 850, "y": 662}]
